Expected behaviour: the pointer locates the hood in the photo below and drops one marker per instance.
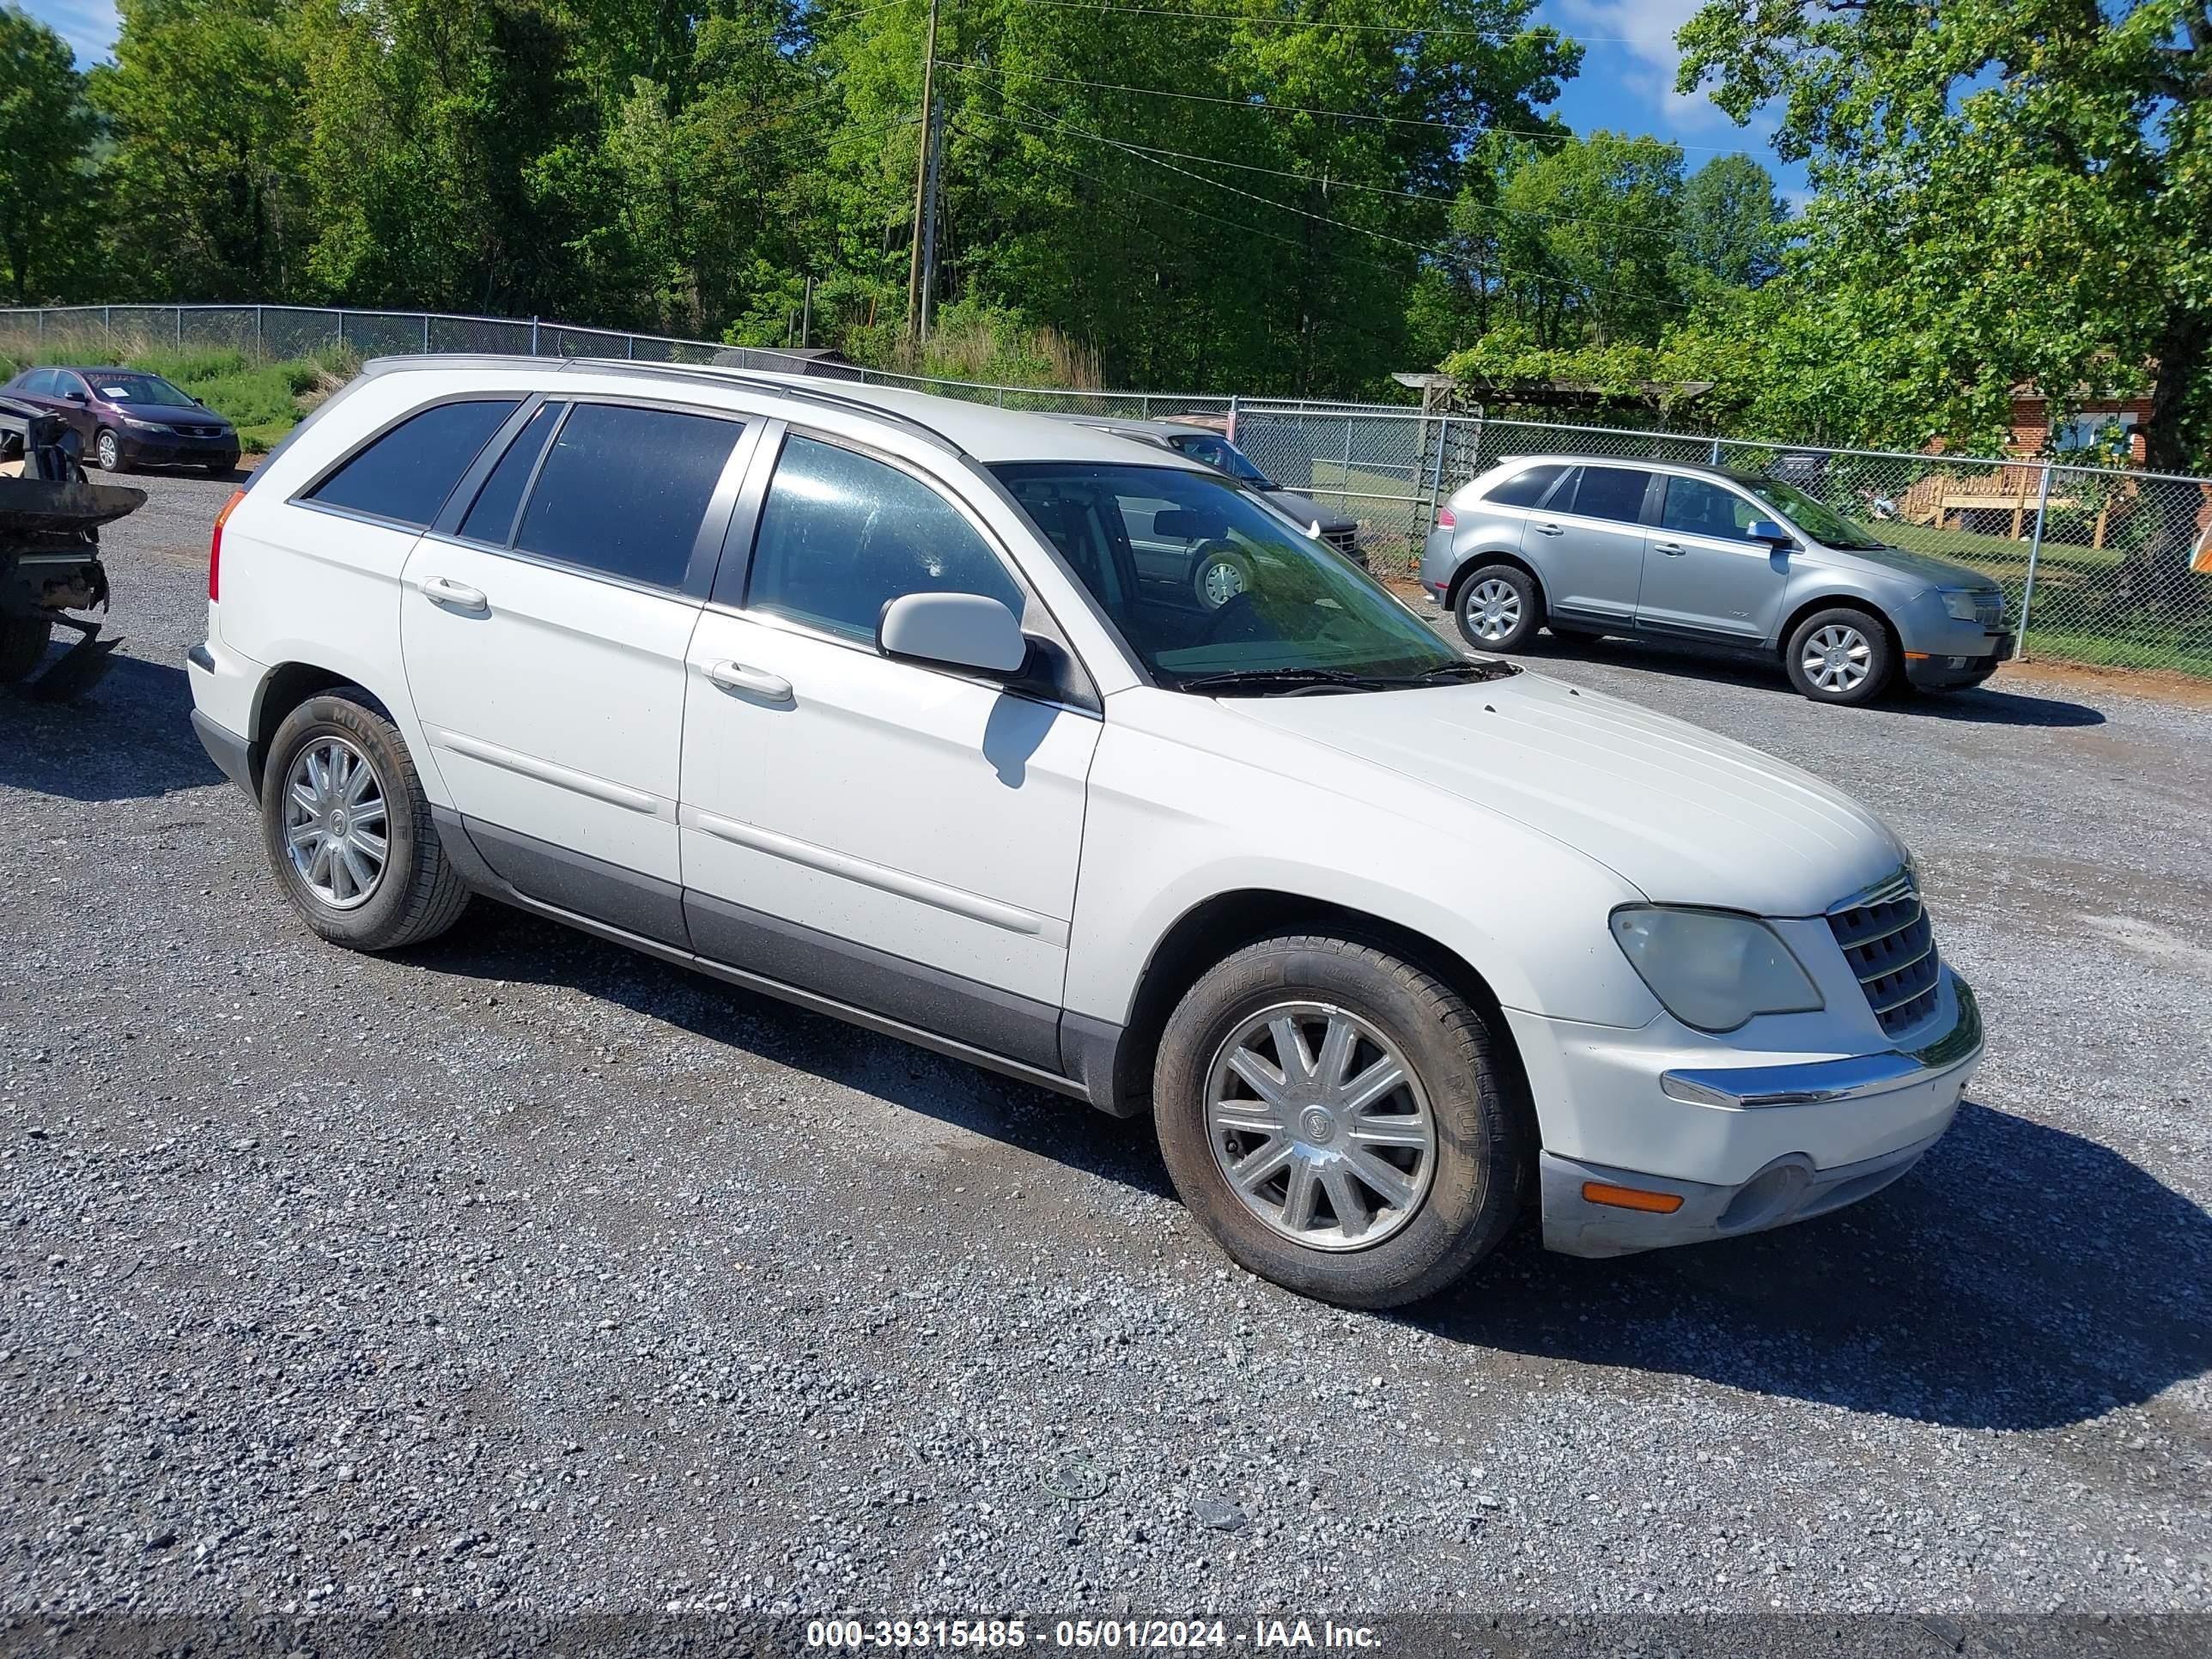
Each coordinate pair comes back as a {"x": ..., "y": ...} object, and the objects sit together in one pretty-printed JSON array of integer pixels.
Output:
[
  {"x": 1936, "y": 573},
  {"x": 171, "y": 414},
  {"x": 1305, "y": 510},
  {"x": 1685, "y": 817}
]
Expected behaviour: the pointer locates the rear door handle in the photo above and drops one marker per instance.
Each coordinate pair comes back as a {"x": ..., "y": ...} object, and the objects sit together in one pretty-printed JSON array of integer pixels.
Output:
[
  {"x": 736, "y": 676},
  {"x": 459, "y": 595},
  {"x": 1672, "y": 549},
  {"x": 1550, "y": 530}
]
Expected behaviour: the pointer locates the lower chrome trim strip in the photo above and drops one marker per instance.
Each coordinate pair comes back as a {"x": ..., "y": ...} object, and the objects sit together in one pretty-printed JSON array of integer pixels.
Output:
[{"x": 1819, "y": 1083}]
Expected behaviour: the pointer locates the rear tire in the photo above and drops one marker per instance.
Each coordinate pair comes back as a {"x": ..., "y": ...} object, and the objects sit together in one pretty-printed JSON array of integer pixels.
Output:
[
  {"x": 1448, "y": 1141},
  {"x": 1499, "y": 607},
  {"x": 370, "y": 872},
  {"x": 22, "y": 645},
  {"x": 1841, "y": 655}
]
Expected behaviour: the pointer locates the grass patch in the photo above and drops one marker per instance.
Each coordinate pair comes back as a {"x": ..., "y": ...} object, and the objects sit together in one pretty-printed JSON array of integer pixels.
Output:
[{"x": 263, "y": 400}]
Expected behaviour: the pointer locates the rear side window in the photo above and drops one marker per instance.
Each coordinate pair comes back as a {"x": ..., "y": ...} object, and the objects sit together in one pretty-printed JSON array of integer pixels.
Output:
[
  {"x": 841, "y": 536},
  {"x": 1607, "y": 492},
  {"x": 1526, "y": 487},
  {"x": 406, "y": 475},
  {"x": 491, "y": 516},
  {"x": 39, "y": 383},
  {"x": 624, "y": 490}
]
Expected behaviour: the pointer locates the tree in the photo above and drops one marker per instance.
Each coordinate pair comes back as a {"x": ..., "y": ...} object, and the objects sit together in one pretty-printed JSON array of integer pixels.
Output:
[
  {"x": 1588, "y": 241},
  {"x": 1731, "y": 222},
  {"x": 45, "y": 137},
  {"x": 2006, "y": 190}
]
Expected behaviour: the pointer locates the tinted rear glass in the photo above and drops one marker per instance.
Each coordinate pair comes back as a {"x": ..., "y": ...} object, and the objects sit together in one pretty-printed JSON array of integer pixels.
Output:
[
  {"x": 1525, "y": 488},
  {"x": 1608, "y": 492},
  {"x": 624, "y": 490},
  {"x": 406, "y": 475},
  {"x": 491, "y": 517}
]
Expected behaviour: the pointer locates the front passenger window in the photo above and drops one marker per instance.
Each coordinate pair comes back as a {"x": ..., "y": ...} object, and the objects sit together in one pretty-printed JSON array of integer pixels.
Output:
[
  {"x": 1696, "y": 508},
  {"x": 841, "y": 536}
]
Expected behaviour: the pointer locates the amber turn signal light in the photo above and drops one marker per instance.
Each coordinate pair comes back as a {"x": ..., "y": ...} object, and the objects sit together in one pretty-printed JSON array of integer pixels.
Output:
[{"x": 1630, "y": 1198}]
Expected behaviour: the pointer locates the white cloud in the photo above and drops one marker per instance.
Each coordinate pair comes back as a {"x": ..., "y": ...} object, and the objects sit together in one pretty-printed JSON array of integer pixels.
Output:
[
  {"x": 90, "y": 25},
  {"x": 1637, "y": 35}
]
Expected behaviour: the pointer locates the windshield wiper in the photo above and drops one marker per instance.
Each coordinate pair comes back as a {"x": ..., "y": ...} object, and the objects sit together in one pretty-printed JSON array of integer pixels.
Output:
[
  {"x": 1466, "y": 670},
  {"x": 1285, "y": 682}
]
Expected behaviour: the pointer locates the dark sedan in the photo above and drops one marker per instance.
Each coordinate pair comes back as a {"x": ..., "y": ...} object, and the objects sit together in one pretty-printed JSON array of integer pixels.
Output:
[{"x": 129, "y": 418}]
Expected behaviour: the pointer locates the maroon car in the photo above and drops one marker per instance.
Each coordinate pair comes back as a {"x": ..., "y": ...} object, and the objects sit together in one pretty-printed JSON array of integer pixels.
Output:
[{"x": 128, "y": 418}]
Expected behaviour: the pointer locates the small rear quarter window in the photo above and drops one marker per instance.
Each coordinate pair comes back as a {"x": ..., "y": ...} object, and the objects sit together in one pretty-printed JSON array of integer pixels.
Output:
[
  {"x": 1525, "y": 488},
  {"x": 406, "y": 475}
]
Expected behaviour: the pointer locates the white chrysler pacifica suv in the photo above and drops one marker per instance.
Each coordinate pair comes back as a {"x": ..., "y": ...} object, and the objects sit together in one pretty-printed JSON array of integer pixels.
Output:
[{"x": 860, "y": 698}]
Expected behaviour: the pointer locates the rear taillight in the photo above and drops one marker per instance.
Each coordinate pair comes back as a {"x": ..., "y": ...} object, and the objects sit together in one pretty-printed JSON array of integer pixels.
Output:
[
  {"x": 214, "y": 546},
  {"x": 1445, "y": 520}
]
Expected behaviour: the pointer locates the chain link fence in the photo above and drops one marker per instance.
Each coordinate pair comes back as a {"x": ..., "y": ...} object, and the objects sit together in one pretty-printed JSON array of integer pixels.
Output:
[
  {"x": 2098, "y": 565},
  {"x": 278, "y": 333}
]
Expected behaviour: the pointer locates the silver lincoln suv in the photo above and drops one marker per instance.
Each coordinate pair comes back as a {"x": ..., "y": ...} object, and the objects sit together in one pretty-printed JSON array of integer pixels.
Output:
[{"x": 1704, "y": 555}]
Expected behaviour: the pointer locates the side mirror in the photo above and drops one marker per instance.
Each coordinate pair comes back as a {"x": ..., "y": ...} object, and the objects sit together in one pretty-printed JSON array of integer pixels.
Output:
[
  {"x": 1766, "y": 530},
  {"x": 75, "y": 398},
  {"x": 959, "y": 631}
]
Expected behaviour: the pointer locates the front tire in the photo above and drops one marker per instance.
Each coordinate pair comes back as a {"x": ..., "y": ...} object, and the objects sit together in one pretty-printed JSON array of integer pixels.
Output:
[
  {"x": 1499, "y": 608},
  {"x": 1841, "y": 655},
  {"x": 349, "y": 831},
  {"x": 22, "y": 643},
  {"x": 1218, "y": 575},
  {"x": 1335, "y": 1116},
  {"x": 107, "y": 452}
]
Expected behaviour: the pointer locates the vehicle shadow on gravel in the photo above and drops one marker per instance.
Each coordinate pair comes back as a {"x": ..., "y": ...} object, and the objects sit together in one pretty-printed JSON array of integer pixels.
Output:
[
  {"x": 497, "y": 942},
  {"x": 2021, "y": 1278},
  {"x": 128, "y": 739},
  {"x": 1983, "y": 706}
]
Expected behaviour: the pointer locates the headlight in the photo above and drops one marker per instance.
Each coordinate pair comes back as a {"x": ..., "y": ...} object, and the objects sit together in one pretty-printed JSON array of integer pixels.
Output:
[
  {"x": 1962, "y": 604},
  {"x": 133, "y": 421},
  {"x": 1713, "y": 969}
]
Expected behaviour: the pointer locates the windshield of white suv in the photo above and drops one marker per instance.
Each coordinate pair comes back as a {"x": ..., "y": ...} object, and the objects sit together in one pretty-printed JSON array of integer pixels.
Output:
[
  {"x": 1816, "y": 518},
  {"x": 1218, "y": 594}
]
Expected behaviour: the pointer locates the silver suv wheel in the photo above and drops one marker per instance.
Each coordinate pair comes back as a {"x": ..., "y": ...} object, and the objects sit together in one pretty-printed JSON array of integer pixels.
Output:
[
  {"x": 335, "y": 822},
  {"x": 1837, "y": 658},
  {"x": 1320, "y": 1126},
  {"x": 1493, "y": 610}
]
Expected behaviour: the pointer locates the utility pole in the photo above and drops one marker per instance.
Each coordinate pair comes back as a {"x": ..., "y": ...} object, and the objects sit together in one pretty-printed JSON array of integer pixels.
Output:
[
  {"x": 929, "y": 216},
  {"x": 923, "y": 206}
]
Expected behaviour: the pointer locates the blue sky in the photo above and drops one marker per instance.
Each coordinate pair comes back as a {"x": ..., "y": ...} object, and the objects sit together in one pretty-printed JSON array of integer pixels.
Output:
[{"x": 1627, "y": 81}]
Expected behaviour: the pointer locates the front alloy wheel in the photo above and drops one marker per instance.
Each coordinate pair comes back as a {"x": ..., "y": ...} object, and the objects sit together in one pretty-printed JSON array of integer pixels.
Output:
[
  {"x": 108, "y": 450},
  {"x": 1838, "y": 659},
  {"x": 335, "y": 815},
  {"x": 1841, "y": 655},
  {"x": 1320, "y": 1126}
]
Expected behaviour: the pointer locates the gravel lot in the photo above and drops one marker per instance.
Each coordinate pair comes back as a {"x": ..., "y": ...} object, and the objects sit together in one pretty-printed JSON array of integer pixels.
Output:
[{"x": 519, "y": 1271}]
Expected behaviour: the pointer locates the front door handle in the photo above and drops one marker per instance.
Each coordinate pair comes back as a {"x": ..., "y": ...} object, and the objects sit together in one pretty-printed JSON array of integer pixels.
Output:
[
  {"x": 459, "y": 595},
  {"x": 1550, "y": 530},
  {"x": 736, "y": 676},
  {"x": 1672, "y": 549}
]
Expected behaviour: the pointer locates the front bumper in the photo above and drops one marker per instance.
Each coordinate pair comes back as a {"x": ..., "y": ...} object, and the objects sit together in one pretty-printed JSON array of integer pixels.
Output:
[
  {"x": 1736, "y": 1148},
  {"x": 178, "y": 449},
  {"x": 1941, "y": 672}
]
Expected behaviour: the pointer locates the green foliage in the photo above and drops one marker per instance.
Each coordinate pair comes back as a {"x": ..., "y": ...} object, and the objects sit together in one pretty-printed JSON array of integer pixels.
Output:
[
  {"x": 46, "y": 132},
  {"x": 263, "y": 400},
  {"x": 2006, "y": 191}
]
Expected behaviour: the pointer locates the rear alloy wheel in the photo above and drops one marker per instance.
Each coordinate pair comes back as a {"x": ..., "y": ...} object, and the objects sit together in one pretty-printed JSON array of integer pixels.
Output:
[
  {"x": 1840, "y": 656},
  {"x": 108, "y": 450},
  {"x": 349, "y": 829},
  {"x": 1499, "y": 608},
  {"x": 1335, "y": 1117}
]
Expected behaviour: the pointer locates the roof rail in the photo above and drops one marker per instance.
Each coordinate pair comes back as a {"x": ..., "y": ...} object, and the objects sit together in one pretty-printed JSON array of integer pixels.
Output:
[
  {"x": 701, "y": 373},
  {"x": 718, "y": 374}
]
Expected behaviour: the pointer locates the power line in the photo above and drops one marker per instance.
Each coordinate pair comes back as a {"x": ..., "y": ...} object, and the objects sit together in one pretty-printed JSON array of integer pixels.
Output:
[
  {"x": 1327, "y": 184},
  {"x": 1265, "y": 107},
  {"x": 1428, "y": 249},
  {"x": 1315, "y": 26}
]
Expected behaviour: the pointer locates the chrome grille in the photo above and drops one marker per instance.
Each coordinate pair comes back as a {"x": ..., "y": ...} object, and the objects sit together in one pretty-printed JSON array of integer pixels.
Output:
[
  {"x": 1346, "y": 542},
  {"x": 1988, "y": 610},
  {"x": 1886, "y": 940}
]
